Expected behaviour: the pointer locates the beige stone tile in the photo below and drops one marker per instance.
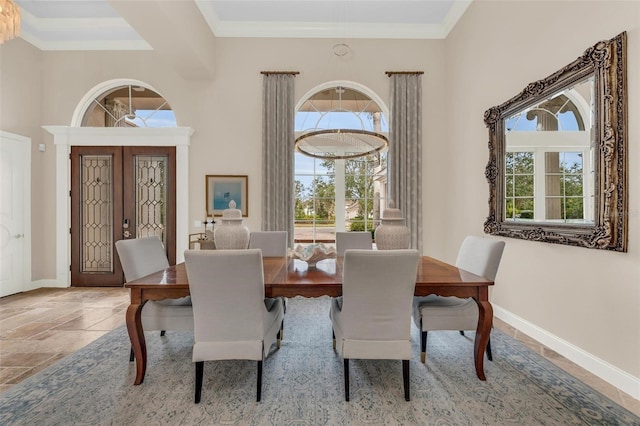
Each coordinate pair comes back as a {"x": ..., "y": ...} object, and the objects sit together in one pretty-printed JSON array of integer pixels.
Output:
[
  {"x": 9, "y": 374},
  {"x": 23, "y": 346},
  {"x": 22, "y": 300},
  {"x": 87, "y": 319},
  {"x": 110, "y": 323},
  {"x": 604, "y": 388},
  {"x": 28, "y": 330},
  {"x": 25, "y": 359},
  {"x": 65, "y": 314},
  {"x": 42, "y": 335},
  {"x": 551, "y": 354},
  {"x": 11, "y": 312},
  {"x": 630, "y": 403},
  {"x": 590, "y": 379},
  {"x": 68, "y": 341},
  {"x": 4, "y": 387},
  {"x": 529, "y": 342},
  {"x": 44, "y": 314},
  {"x": 37, "y": 368},
  {"x": 25, "y": 317},
  {"x": 504, "y": 327}
]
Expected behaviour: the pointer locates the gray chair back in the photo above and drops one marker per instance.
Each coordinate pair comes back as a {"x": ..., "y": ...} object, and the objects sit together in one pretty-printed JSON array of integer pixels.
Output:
[
  {"x": 141, "y": 256},
  {"x": 272, "y": 243},
  {"x": 480, "y": 256},
  {"x": 361, "y": 240}
]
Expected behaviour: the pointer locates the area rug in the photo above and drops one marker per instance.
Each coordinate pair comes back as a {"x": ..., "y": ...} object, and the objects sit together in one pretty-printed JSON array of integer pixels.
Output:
[{"x": 303, "y": 385}]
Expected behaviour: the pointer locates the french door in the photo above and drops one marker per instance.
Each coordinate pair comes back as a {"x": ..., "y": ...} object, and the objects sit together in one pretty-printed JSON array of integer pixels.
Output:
[{"x": 118, "y": 193}]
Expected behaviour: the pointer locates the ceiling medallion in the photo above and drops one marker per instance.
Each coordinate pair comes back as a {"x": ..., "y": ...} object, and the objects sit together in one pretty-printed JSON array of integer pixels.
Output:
[{"x": 341, "y": 49}]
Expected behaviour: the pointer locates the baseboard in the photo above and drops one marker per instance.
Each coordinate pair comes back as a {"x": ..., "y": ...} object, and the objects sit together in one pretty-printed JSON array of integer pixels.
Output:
[
  {"x": 47, "y": 283},
  {"x": 607, "y": 372}
]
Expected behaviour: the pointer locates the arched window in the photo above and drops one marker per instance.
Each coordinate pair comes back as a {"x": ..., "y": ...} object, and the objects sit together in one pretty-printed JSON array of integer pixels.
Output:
[
  {"x": 340, "y": 178},
  {"x": 129, "y": 105}
]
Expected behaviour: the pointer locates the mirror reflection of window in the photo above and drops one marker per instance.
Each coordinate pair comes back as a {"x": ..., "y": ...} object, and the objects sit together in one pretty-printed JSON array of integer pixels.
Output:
[
  {"x": 549, "y": 161},
  {"x": 519, "y": 180}
]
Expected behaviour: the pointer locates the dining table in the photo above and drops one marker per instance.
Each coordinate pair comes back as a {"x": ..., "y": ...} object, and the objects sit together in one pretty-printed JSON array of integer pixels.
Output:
[{"x": 287, "y": 277}]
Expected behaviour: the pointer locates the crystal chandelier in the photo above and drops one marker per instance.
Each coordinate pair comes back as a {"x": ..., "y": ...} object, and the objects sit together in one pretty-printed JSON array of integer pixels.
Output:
[{"x": 9, "y": 20}]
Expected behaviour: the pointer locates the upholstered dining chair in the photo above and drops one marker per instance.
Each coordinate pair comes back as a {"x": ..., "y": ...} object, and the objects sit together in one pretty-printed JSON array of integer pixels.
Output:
[
  {"x": 140, "y": 257},
  {"x": 353, "y": 240},
  {"x": 478, "y": 255},
  {"x": 272, "y": 243},
  {"x": 232, "y": 318},
  {"x": 372, "y": 319}
]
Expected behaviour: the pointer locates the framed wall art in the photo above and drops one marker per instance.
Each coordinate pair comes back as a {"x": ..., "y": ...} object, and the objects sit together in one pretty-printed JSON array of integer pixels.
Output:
[{"x": 221, "y": 189}]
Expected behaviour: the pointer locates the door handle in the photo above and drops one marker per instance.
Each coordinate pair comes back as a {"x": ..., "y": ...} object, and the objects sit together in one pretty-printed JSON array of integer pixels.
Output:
[{"x": 125, "y": 226}]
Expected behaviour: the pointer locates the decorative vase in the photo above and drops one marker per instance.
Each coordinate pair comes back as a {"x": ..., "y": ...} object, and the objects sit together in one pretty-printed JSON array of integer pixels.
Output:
[
  {"x": 392, "y": 234},
  {"x": 231, "y": 234}
]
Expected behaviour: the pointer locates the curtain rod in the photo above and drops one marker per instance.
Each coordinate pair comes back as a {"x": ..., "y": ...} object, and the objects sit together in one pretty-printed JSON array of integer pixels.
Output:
[
  {"x": 390, "y": 73},
  {"x": 280, "y": 72}
]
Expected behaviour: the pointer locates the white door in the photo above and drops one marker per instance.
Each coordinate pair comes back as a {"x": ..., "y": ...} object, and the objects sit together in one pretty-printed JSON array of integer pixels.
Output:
[{"x": 15, "y": 166}]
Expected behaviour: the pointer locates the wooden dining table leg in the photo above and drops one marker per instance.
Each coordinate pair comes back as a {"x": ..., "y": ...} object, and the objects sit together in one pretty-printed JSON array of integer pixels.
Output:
[
  {"x": 136, "y": 335},
  {"x": 485, "y": 319}
]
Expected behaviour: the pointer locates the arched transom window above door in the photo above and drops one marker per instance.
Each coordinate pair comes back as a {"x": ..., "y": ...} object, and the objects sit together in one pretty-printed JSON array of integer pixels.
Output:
[
  {"x": 340, "y": 161},
  {"x": 129, "y": 105}
]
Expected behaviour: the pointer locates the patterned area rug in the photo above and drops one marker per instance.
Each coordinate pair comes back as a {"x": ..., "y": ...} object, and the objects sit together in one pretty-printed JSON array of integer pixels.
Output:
[{"x": 303, "y": 385}]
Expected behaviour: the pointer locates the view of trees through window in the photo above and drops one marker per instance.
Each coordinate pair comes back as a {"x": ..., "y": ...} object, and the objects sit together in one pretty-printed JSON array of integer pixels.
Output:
[
  {"x": 338, "y": 194},
  {"x": 315, "y": 205}
]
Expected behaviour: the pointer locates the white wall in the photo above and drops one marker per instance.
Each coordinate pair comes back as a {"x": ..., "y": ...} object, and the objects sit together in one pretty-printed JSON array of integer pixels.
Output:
[
  {"x": 585, "y": 302},
  {"x": 586, "y": 298}
]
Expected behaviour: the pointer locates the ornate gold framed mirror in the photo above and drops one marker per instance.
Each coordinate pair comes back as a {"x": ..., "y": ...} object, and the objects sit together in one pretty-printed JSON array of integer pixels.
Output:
[{"x": 557, "y": 167}]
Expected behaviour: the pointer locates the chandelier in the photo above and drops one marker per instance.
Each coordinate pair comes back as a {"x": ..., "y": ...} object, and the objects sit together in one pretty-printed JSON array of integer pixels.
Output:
[
  {"x": 9, "y": 20},
  {"x": 337, "y": 108},
  {"x": 338, "y": 144}
]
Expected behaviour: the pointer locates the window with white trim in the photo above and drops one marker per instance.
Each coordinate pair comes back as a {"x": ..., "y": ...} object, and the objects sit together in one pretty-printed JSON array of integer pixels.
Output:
[
  {"x": 549, "y": 161},
  {"x": 341, "y": 194}
]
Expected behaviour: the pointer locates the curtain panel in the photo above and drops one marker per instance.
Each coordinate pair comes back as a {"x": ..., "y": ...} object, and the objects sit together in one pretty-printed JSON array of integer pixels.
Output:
[
  {"x": 405, "y": 150},
  {"x": 277, "y": 152}
]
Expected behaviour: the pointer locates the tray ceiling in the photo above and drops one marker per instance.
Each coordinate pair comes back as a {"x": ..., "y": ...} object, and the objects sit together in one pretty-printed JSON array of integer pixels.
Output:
[{"x": 116, "y": 24}]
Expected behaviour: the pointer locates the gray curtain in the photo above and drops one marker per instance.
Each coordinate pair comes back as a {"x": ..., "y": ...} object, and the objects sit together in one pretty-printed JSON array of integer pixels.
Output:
[
  {"x": 277, "y": 152},
  {"x": 405, "y": 150}
]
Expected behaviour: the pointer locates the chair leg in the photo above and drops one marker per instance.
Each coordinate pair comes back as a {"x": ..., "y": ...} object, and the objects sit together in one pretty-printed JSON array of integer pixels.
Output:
[
  {"x": 199, "y": 374},
  {"x": 333, "y": 333},
  {"x": 162, "y": 333},
  {"x": 489, "y": 355},
  {"x": 405, "y": 378},
  {"x": 131, "y": 357},
  {"x": 278, "y": 339},
  {"x": 259, "y": 387},
  {"x": 284, "y": 307},
  {"x": 346, "y": 379},
  {"x": 462, "y": 332},
  {"x": 423, "y": 346}
]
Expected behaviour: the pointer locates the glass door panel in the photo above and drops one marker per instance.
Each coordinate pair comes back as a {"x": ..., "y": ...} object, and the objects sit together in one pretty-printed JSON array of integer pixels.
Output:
[{"x": 118, "y": 193}]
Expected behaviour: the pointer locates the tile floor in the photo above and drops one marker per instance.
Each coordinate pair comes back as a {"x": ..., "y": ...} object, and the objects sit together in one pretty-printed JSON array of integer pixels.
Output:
[{"x": 39, "y": 327}]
